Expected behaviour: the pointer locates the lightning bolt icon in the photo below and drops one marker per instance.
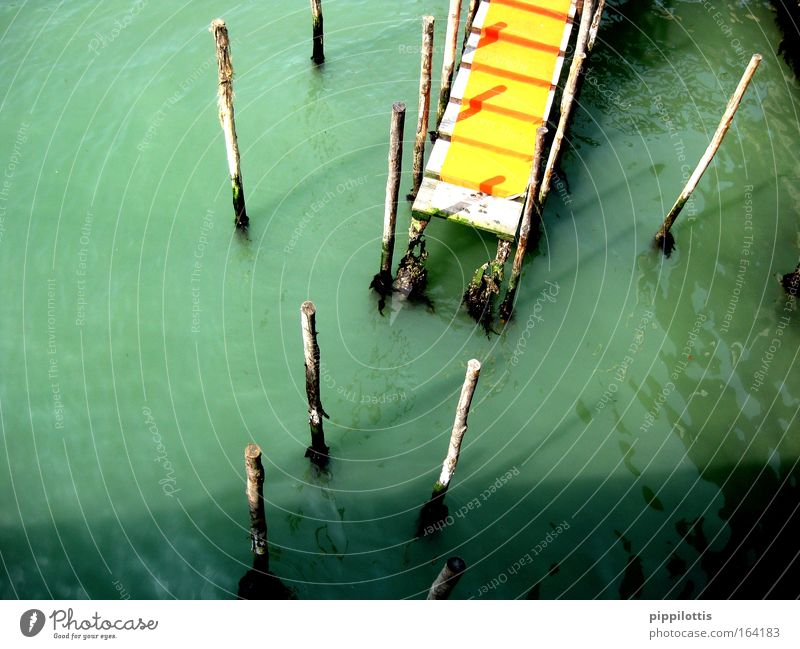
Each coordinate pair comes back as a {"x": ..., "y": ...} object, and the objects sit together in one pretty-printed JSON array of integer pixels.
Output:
[{"x": 32, "y": 621}]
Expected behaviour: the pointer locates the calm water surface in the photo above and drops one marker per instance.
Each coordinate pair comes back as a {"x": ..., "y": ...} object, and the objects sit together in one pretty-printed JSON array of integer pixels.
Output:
[{"x": 647, "y": 414}]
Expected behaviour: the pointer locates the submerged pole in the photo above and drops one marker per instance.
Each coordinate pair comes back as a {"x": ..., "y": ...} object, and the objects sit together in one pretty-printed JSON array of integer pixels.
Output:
[
  {"x": 531, "y": 206},
  {"x": 318, "y": 53},
  {"x": 568, "y": 99},
  {"x": 449, "y": 62},
  {"x": 382, "y": 282},
  {"x": 318, "y": 451},
  {"x": 424, "y": 104},
  {"x": 435, "y": 509},
  {"x": 226, "y": 118},
  {"x": 447, "y": 579},
  {"x": 663, "y": 238},
  {"x": 485, "y": 284},
  {"x": 412, "y": 276},
  {"x": 254, "y": 470}
]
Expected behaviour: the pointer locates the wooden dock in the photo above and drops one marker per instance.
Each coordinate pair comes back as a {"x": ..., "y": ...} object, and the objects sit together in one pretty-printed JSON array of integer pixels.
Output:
[{"x": 479, "y": 168}]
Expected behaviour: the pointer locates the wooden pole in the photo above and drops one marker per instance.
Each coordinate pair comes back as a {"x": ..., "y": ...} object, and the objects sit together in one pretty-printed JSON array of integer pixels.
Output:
[
  {"x": 568, "y": 99},
  {"x": 259, "y": 582},
  {"x": 449, "y": 63},
  {"x": 254, "y": 470},
  {"x": 447, "y": 579},
  {"x": 435, "y": 510},
  {"x": 382, "y": 282},
  {"x": 424, "y": 104},
  {"x": 662, "y": 238},
  {"x": 531, "y": 205},
  {"x": 393, "y": 185},
  {"x": 471, "y": 13},
  {"x": 318, "y": 54},
  {"x": 598, "y": 14},
  {"x": 459, "y": 427},
  {"x": 226, "y": 118},
  {"x": 318, "y": 451}
]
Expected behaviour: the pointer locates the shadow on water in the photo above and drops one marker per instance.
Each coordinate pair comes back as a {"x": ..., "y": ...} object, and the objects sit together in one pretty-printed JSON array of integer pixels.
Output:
[
  {"x": 260, "y": 583},
  {"x": 788, "y": 19},
  {"x": 756, "y": 559},
  {"x": 752, "y": 460},
  {"x": 760, "y": 558}
]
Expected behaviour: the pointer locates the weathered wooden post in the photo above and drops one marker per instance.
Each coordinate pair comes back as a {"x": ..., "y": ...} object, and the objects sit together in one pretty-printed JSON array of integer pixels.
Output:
[
  {"x": 226, "y": 118},
  {"x": 449, "y": 62},
  {"x": 531, "y": 207},
  {"x": 424, "y": 104},
  {"x": 568, "y": 98},
  {"x": 435, "y": 510},
  {"x": 318, "y": 54},
  {"x": 663, "y": 239},
  {"x": 595, "y": 27},
  {"x": 471, "y": 12},
  {"x": 447, "y": 579},
  {"x": 382, "y": 282},
  {"x": 254, "y": 470},
  {"x": 259, "y": 582},
  {"x": 318, "y": 451}
]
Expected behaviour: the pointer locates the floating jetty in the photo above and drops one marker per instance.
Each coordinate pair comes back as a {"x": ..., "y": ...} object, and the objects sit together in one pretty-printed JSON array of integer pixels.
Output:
[{"x": 480, "y": 166}]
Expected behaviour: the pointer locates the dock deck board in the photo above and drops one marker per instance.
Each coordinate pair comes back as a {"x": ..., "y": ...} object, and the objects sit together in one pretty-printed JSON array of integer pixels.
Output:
[{"x": 502, "y": 93}]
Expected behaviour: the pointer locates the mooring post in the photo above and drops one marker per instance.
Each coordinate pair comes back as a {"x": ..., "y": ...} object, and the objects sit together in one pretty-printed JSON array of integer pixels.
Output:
[
  {"x": 382, "y": 282},
  {"x": 318, "y": 451},
  {"x": 663, "y": 238},
  {"x": 318, "y": 54},
  {"x": 531, "y": 206},
  {"x": 424, "y": 104},
  {"x": 447, "y": 579},
  {"x": 449, "y": 62},
  {"x": 568, "y": 98},
  {"x": 595, "y": 27},
  {"x": 471, "y": 12},
  {"x": 396, "y": 130},
  {"x": 226, "y": 118},
  {"x": 258, "y": 582},
  {"x": 435, "y": 510},
  {"x": 254, "y": 470}
]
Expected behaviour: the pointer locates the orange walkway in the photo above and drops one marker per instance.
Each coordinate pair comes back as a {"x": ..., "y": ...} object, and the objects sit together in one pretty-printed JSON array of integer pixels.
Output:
[{"x": 507, "y": 96}]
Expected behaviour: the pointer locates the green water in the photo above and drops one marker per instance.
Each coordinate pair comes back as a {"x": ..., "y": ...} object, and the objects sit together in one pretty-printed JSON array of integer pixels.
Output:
[{"x": 145, "y": 344}]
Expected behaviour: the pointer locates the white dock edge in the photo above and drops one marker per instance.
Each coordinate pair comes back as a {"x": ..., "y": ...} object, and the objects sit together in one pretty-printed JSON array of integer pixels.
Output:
[{"x": 500, "y": 216}]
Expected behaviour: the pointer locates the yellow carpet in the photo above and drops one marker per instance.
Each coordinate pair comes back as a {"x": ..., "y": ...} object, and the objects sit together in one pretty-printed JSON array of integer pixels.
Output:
[{"x": 506, "y": 96}]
